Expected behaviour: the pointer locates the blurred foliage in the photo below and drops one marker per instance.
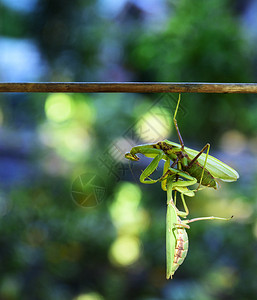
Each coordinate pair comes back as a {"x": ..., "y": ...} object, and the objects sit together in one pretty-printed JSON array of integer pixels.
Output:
[
  {"x": 75, "y": 222},
  {"x": 188, "y": 50},
  {"x": 202, "y": 42}
]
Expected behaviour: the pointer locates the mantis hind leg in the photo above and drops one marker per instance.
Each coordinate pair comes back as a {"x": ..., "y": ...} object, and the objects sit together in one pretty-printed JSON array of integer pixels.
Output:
[
  {"x": 207, "y": 146},
  {"x": 176, "y": 124},
  {"x": 207, "y": 218}
]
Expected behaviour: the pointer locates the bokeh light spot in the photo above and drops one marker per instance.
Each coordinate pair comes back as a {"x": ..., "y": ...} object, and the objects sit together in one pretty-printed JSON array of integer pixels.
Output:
[
  {"x": 70, "y": 140},
  {"x": 89, "y": 296},
  {"x": 233, "y": 142},
  {"x": 127, "y": 215},
  {"x": 154, "y": 125},
  {"x": 85, "y": 110},
  {"x": 59, "y": 107},
  {"x": 124, "y": 251}
]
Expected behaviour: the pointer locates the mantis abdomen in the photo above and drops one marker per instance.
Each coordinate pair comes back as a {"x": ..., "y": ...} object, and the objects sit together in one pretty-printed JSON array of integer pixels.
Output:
[
  {"x": 196, "y": 170},
  {"x": 181, "y": 249}
]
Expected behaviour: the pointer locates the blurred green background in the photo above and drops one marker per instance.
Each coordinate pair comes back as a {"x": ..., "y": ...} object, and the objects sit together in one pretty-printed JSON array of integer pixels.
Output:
[{"x": 75, "y": 221}]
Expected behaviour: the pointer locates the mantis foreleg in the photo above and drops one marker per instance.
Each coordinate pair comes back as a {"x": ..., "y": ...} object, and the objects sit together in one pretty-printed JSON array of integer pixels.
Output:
[{"x": 144, "y": 178}]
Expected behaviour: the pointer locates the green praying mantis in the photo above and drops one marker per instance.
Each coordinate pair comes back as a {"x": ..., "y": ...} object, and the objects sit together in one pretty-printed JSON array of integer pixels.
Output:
[
  {"x": 195, "y": 166},
  {"x": 183, "y": 167},
  {"x": 176, "y": 235}
]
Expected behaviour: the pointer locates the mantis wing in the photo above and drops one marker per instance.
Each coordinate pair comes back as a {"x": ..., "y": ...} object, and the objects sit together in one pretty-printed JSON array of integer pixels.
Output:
[{"x": 217, "y": 168}]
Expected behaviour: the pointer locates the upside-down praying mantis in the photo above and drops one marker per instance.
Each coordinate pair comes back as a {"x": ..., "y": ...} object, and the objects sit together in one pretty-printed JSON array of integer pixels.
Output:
[
  {"x": 196, "y": 166},
  {"x": 176, "y": 235}
]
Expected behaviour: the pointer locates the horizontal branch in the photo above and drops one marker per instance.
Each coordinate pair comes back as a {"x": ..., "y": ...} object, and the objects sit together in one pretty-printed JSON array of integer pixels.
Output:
[{"x": 127, "y": 87}]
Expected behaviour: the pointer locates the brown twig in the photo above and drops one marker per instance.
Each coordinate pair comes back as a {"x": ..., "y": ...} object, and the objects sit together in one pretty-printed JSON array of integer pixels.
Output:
[{"x": 126, "y": 87}]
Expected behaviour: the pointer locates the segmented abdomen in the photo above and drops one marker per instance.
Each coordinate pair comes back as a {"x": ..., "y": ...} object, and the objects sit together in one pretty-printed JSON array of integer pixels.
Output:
[
  {"x": 180, "y": 249},
  {"x": 196, "y": 171}
]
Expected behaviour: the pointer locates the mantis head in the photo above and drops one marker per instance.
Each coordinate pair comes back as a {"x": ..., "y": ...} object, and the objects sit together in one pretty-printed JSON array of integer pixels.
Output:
[{"x": 130, "y": 156}]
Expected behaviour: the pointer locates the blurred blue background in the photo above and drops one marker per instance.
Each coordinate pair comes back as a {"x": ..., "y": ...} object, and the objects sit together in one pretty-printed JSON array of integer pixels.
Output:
[{"x": 75, "y": 221}]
